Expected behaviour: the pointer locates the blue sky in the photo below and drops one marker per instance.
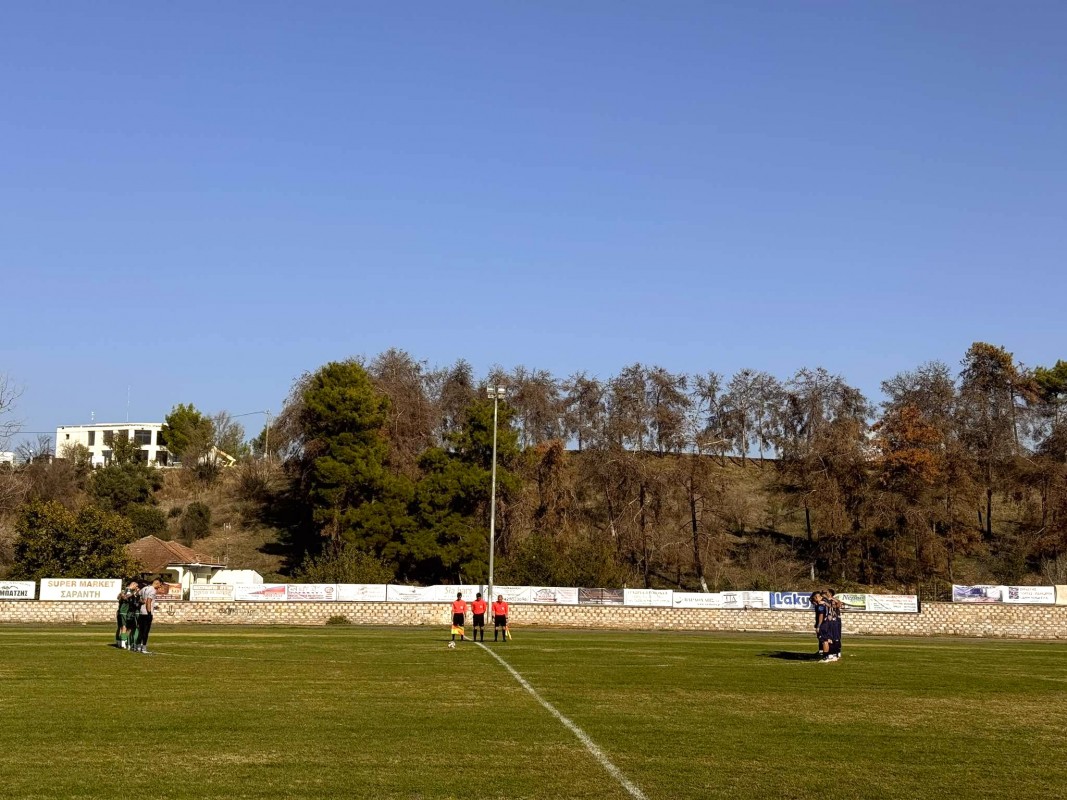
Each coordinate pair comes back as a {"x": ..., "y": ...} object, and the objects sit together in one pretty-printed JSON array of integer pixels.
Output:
[{"x": 200, "y": 201}]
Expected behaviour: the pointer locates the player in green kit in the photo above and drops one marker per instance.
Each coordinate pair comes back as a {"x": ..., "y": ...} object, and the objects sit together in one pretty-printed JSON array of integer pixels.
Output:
[{"x": 129, "y": 604}]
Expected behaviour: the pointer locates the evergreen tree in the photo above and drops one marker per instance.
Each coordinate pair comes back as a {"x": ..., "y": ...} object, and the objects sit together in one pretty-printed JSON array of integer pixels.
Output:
[
  {"x": 451, "y": 508},
  {"x": 353, "y": 497},
  {"x": 188, "y": 433}
]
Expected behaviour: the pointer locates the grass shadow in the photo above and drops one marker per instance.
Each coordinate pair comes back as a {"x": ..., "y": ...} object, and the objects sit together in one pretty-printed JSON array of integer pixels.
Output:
[{"x": 788, "y": 655}]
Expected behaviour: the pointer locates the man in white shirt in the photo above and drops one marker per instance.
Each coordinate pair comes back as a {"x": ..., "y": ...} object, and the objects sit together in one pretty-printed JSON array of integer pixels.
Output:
[{"x": 144, "y": 618}]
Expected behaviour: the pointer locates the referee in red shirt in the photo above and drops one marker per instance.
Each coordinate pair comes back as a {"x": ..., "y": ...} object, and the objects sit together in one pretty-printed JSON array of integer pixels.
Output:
[
  {"x": 500, "y": 618},
  {"x": 459, "y": 615},
  {"x": 478, "y": 609}
]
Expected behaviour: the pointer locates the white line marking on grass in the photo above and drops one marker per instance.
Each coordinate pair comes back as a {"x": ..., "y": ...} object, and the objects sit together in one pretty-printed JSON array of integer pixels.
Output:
[{"x": 583, "y": 737}]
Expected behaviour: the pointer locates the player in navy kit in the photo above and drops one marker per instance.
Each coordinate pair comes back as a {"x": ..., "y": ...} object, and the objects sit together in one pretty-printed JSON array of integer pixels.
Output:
[
  {"x": 834, "y": 608},
  {"x": 823, "y": 625}
]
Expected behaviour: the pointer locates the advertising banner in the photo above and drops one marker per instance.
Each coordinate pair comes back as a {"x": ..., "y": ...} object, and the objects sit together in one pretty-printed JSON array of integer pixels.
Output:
[
  {"x": 697, "y": 600},
  {"x": 555, "y": 595},
  {"x": 18, "y": 590},
  {"x": 1061, "y": 595},
  {"x": 413, "y": 594},
  {"x": 311, "y": 592},
  {"x": 895, "y": 603},
  {"x": 600, "y": 597},
  {"x": 211, "y": 593},
  {"x": 80, "y": 588},
  {"x": 647, "y": 597},
  {"x": 170, "y": 591},
  {"x": 538, "y": 595},
  {"x": 746, "y": 599},
  {"x": 791, "y": 601},
  {"x": 852, "y": 602},
  {"x": 978, "y": 594},
  {"x": 361, "y": 592},
  {"x": 442, "y": 593},
  {"x": 259, "y": 592},
  {"x": 1034, "y": 595}
]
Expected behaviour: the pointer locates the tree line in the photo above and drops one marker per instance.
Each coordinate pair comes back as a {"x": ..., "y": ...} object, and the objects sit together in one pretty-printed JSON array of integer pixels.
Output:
[
  {"x": 689, "y": 480},
  {"x": 695, "y": 481}
]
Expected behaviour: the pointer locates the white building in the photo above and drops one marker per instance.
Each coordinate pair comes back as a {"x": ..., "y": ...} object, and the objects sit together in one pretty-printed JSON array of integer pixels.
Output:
[
  {"x": 97, "y": 440},
  {"x": 7, "y": 457}
]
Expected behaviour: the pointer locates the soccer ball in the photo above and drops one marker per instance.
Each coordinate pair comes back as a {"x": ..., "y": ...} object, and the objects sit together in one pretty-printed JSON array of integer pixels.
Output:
[{"x": 451, "y": 645}]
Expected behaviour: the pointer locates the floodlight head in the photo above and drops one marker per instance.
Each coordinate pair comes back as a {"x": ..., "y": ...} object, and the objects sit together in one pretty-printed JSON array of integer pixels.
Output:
[{"x": 495, "y": 392}]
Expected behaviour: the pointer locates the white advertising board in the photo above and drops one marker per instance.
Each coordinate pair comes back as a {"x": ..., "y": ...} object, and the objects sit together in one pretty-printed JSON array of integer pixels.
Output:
[
  {"x": 697, "y": 600},
  {"x": 361, "y": 592},
  {"x": 413, "y": 594},
  {"x": 259, "y": 592},
  {"x": 1061, "y": 595},
  {"x": 18, "y": 590},
  {"x": 896, "y": 603},
  {"x": 746, "y": 599},
  {"x": 442, "y": 593},
  {"x": 211, "y": 593},
  {"x": 1035, "y": 595},
  {"x": 80, "y": 588},
  {"x": 538, "y": 595},
  {"x": 311, "y": 592},
  {"x": 852, "y": 602},
  {"x": 647, "y": 597}
]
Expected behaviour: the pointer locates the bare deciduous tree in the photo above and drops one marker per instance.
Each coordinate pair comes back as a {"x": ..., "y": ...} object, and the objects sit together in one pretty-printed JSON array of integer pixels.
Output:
[
  {"x": 583, "y": 409},
  {"x": 411, "y": 416},
  {"x": 9, "y": 395}
]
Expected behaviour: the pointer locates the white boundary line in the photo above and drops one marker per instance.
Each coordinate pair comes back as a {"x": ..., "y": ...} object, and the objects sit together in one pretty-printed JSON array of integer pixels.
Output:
[{"x": 590, "y": 745}]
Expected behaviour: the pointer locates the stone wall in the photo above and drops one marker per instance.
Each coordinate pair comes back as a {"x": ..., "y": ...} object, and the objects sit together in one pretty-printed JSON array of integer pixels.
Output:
[{"x": 936, "y": 619}]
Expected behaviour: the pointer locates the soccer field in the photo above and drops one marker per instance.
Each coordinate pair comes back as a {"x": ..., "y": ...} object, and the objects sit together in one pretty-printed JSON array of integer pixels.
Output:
[{"x": 364, "y": 712}]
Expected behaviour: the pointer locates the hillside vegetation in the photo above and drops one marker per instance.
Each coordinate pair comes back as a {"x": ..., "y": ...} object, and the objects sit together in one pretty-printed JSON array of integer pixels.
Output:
[{"x": 381, "y": 470}]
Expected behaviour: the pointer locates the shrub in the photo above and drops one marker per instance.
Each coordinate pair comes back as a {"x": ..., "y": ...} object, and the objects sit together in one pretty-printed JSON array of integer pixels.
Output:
[
  {"x": 338, "y": 619},
  {"x": 256, "y": 480},
  {"x": 207, "y": 471},
  {"x": 196, "y": 522},
  {"x": 147, "y": 520}
]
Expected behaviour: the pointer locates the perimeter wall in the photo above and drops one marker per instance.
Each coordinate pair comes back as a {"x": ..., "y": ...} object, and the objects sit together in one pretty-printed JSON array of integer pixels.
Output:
[{"x": 935, "y": 619}]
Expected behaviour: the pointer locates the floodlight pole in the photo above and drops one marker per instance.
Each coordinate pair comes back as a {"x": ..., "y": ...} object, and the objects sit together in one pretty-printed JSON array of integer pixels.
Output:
[{"x": 495, "y": 393}]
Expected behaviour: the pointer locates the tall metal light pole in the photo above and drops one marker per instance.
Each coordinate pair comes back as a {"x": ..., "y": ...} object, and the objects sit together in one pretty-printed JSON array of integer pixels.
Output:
[{"x": 496, "y": 394}]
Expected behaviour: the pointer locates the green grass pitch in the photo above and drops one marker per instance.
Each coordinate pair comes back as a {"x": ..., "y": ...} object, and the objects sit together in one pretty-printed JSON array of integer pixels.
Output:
[{"x": 367, "y": 712}]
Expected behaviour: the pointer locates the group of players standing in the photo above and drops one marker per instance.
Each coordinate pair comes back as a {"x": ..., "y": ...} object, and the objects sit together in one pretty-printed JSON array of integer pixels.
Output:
[
  {"x": 478, "y": 609},
  {"x": 134, "y": 618},
  {"x": 827, "y": 624}
]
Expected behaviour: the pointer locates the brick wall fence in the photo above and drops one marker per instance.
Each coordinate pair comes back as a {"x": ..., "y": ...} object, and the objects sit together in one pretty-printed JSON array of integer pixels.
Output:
[{"x": 936, "y": 619}]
